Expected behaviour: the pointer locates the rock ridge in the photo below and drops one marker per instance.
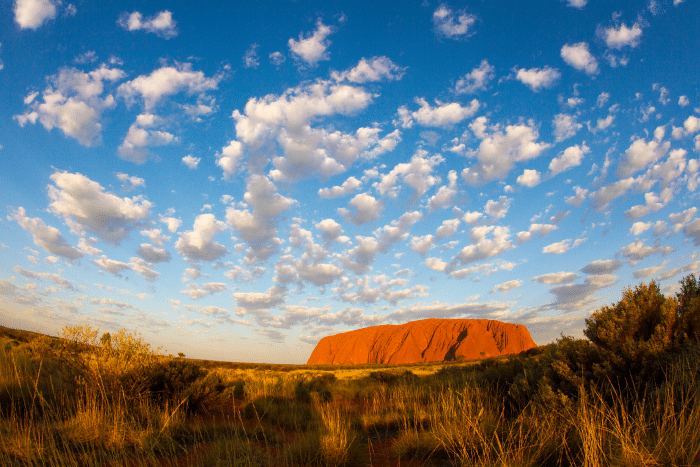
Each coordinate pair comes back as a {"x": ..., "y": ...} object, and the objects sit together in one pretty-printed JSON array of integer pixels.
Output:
[{"x": 426, "y": 340}]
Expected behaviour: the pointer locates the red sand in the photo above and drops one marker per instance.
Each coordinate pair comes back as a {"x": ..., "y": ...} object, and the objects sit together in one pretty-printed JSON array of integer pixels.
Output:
[{"x": 426, "y": 340}]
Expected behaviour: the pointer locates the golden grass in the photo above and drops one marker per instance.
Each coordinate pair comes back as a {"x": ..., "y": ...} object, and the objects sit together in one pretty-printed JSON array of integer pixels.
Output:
[{"x": 304, "y": 417}]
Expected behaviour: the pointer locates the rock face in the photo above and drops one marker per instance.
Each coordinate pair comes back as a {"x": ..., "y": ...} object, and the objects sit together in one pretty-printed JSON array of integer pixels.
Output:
[{"x": 426, "y": 340}]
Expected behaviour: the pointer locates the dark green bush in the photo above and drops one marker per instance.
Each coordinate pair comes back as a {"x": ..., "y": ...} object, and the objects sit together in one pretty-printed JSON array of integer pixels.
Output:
[{"x": 173, "y": 377}]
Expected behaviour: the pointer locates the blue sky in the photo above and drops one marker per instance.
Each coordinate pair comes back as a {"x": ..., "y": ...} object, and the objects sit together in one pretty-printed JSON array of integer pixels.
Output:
[{"x": 238, "y": 180}]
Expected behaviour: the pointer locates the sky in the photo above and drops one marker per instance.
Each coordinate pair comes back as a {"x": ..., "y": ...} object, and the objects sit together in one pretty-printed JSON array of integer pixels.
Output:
[{"x": 237, "y": 180}]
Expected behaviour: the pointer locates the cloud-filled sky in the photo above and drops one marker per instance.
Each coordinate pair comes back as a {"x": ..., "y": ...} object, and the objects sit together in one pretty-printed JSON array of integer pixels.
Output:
[{"x": 237, "y": 180}]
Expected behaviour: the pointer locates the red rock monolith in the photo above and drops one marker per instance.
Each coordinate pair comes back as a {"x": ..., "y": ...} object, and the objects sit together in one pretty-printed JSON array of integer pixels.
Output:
[{"x": 427, "y": 340}]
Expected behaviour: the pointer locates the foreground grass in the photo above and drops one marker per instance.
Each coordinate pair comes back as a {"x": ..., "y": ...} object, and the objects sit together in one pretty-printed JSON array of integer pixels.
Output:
[{"x": 77, "y": 402}]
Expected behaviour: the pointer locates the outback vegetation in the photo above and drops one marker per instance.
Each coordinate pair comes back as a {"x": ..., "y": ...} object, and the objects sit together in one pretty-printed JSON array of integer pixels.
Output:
[{"x": 628, "y": 395}]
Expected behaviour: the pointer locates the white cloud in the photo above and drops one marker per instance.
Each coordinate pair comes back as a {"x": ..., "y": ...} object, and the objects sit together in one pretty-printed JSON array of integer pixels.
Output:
[
  {"x": 374, "y": 69},
  {"x": 640, "y": 227},
  {"x": 482, "y": 247},
  {"x": 417, "y": 173},
  {"x": 571, "y": 157},
  {"x": 330, "y": 229},
  {"x": 445, "y": 195},
  {"x": 529, "y": 178},
  {"x": 556, "y": 278},
  {"x": 540, "y": 229},
  {"x": 601, "y": 198},
  {"x": 53, "y": 277},
  {"x": 198, "y": 243},
  {"x": 284, "y": 122},
  {"x": 639, "y": 155},
  {"x": 230, "y": 158},
  {"x": 683, "y": 101},
  {"x": 510, "y": 285},
  {"x": 577, "y": 3},
  {"x": 348, "y": 186},
  {"x": 499, "y": 150},
  {"x": 638, "y": 250},
  {"x": 451, "y": 25},
  {"x": 653, "y": 204},
  {"x": 447, "y": 229},
  {"x": 618, "y": 38},
  {"x": 476, "y": 80},
  {"x": 47, "y": 237},
  {"x": 191, "y": 162},
  {"x": 110, "y": 265},
  {"x": 130, "y": 183},
  {"x": 602, "y": 266},
  {"x": 73, "y": 104},
  {"x": 312, "y": 48},
  {"x": 250, "y": 59},
  {"x": 84, "y": 205},
  {"x": 565, "y": 126},
  {"x": 277, "y": 59},
  {"x": 578, "y": 56},
  {"x": 444, "y": 115},
  {"x": 422, "y": 245},
  {"x": 259, "y": 227},
  {"x": 562, "y": 247},
  {"x": 367, "y": 209},
  {"x": 166, "y": 81},
  {"x": 253, "y": 301},
  {"x": 30, "y": 14},
  {"x": 538, "y": 78},
  {"x": 140, "y": 137},
  {"x": 161, "y": 24},
  {"x": 152, "y": 254},
  {"x": 692, "y": 231}
]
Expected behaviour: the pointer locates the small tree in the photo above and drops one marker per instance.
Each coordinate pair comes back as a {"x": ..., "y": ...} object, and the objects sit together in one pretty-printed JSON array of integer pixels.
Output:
[
  {"x": 637, "y": 328},
  {"x": 688, "y": 323}
]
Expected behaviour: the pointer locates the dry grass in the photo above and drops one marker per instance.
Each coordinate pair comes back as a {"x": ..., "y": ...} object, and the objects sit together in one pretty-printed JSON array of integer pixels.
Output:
[{"x": 307, "y": 417}]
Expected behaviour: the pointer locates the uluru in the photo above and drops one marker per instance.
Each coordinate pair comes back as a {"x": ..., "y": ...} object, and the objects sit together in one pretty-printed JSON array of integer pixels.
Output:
[{"x": 426, "y": 340}]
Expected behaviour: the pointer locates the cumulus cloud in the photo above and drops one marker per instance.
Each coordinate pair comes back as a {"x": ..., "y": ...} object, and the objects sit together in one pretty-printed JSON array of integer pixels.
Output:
[
  {"x": 198, "y": 243},
  {"x": 578, "y": 56},
  {"x": 259, "y": 227},
  {"x": 374, "y": 69},
  {"x": 622, "y": 36},
  {"x": 601, "y": 198},
  {"x": 85, "y": 206},
  {"x": 653, "y": 204},
  {"x": 576, "y": 297},
  {"x": 529, "y": 178},
  {"x": 348, "y": 186},
  {"x": 638, "y": 250},
  {"x": 47, "y": 237},
  {"x": 330, "y": 229},
  {"x": 367, "y": 209},
  {"x": 141, "y": 136},
  {"x": 161, "y": 24},
  {"x": 130, "y": 183},
  {"x": 30, "y": 14},
  {"x": 640, "y": 155},
  {"x": 538, "y": 78},
  {"x": 72, "y": 103},
  {"x": 191, "y": 162},
  {"x": 452, "y": 25},
  {"x": 539, "y": 229},
  {"x": 571, "y": 157},
  {"x": 559, "y": 248},
  {"x": 443, "y": 115},
  {"x": 312, "y": 48},
  {"x": 153, "y": 254},
  {"x": 476, "y": 80},
  {"x": 555, "y": 278},
  {"x": 111, "y": 266},
  {"x": 510, "y": 285},
  {"x": 445, "y": 195},
  {"x": 166, "y": 81},
  {"x": 565, "y": 126},
  {"x": 579, "y": 4},
  {"x": 253, "y": 301},
  {"x": 499, "y": 150},
  {"x": 250, "y": 59},
  {"x": 483, "y": 247},
  {"x": 284, "y": 123},
  {"x": 417, "y": 173},
  {"x": 210, "y": 288}
]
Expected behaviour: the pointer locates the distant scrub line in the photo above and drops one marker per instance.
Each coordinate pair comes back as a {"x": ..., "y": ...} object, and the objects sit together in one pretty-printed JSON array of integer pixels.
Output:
[{"x": 627, "y": 395}]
